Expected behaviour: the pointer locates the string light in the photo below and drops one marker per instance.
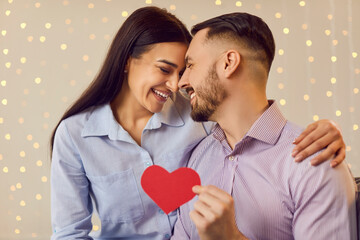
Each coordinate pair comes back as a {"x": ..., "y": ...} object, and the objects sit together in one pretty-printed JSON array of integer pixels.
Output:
[
  {"x": 105, "y": 19},
  {"x": 302, "y": 3},
  {"x": 63, "y": 46},
  {"x": 238, "y": 3},
  {"x": 37, "y": 80}
]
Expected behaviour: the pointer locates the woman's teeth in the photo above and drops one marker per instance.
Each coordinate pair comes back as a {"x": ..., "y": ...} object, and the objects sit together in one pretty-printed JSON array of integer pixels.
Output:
[{"x": 160, "y": 93}]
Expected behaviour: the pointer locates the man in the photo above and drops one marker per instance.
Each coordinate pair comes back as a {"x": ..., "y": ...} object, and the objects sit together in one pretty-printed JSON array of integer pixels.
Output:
[{"x": 254, "y": 188}]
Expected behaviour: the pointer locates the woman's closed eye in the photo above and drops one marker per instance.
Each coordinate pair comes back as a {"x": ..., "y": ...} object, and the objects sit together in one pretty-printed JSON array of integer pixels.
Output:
[{"x": 164, "y": 70}]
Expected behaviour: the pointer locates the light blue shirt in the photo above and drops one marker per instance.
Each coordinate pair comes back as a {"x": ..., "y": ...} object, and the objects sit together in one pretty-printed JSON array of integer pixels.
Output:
[{"x": 96, "y": 164}]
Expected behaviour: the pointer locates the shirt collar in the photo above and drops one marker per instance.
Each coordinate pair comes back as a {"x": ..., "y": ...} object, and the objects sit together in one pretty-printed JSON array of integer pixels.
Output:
[
  {"x": 267, "y": 128},
  {"x": 269, "y": 125},
  {"x": 169, "y": 116},
  {"x": 102, "y": 122}
]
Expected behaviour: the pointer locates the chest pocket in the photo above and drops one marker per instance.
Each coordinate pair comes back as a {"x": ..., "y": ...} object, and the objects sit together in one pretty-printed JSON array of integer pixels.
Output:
[{"x": 117, "y": 197}]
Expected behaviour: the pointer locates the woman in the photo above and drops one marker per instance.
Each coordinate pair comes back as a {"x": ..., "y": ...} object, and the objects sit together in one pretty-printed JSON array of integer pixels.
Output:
[{"x": 129, "y": 118}]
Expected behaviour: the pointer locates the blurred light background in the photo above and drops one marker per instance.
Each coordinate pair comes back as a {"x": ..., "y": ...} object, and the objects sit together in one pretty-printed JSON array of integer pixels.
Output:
[{"x": 51, "y": 50}]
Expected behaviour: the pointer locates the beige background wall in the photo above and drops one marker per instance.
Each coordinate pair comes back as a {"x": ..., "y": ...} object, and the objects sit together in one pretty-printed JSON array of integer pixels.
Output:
[{"x": 51, "y": 50}]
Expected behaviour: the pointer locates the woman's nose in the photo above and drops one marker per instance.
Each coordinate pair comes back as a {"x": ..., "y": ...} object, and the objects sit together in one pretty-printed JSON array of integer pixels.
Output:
[{"x": 172, "y": 83}]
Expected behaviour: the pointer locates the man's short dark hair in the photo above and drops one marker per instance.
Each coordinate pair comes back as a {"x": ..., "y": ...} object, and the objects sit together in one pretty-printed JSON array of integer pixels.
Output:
[{"x": 245, "y": 28}]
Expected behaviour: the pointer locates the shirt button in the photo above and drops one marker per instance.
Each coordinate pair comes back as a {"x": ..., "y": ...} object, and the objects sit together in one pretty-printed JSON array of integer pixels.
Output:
[
  {"x": 231, "y": 158},
  {"x": 167, "y": 236},
  {"x": 148, "y": 163}
]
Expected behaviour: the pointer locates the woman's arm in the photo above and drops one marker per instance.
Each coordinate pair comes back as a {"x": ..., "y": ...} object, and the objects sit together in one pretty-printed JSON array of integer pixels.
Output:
[
  {"x": 318, "y": 135},
  {"x": 71, "y": 206}
]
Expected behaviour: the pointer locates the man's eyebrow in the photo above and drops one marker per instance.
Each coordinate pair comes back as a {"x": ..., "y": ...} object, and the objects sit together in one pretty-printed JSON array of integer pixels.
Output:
[{"x": 167, "y": 62}]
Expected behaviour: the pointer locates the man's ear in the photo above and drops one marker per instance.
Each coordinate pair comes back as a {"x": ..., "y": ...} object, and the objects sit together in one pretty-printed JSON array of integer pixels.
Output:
[{"x": 232, "y": 60}]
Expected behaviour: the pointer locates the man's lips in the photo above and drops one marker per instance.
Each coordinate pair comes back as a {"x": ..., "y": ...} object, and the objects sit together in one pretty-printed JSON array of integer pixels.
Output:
[{"x": 189, "y": 93}]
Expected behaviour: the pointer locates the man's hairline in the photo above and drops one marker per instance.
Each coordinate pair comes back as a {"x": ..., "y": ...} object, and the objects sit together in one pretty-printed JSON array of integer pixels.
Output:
[{"x": 237, "y": 44}]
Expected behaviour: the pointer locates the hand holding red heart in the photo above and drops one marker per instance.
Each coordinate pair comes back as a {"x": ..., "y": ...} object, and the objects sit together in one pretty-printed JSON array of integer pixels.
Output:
[
  {"x": 169, "y": 190},
  {"x": 214, "y": 215}
]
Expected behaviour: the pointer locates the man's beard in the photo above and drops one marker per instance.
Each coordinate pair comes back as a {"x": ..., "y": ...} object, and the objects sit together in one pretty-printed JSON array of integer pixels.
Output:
[{"x": 210, "y": 94}]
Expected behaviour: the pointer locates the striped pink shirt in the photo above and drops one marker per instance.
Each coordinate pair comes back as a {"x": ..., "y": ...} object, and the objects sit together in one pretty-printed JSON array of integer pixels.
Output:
[{"x": 275, "y": 198}]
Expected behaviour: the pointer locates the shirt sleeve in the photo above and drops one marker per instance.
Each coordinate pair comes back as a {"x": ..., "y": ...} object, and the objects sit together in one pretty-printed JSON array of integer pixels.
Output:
[
  {"x": 324, "y": 199},
  {"x": 71, "y": 206}
]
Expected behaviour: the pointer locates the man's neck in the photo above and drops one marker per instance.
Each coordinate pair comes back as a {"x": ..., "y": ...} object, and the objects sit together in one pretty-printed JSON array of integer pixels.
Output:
[{"x": 238, "y": 115}]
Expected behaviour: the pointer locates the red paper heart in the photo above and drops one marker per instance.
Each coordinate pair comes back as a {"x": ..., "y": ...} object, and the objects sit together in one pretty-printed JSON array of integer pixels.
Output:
[{"x": 169, "y": 190}]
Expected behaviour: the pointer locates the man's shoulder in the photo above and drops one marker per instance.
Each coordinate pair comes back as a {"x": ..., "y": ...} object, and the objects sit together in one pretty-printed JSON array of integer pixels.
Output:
[
  {"x": 291, "y": 130},
  {"x": 303, "y": 172}
]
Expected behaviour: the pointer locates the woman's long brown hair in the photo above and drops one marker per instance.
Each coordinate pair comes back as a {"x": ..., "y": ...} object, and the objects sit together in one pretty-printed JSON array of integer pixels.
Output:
[{"x": 144, "y": 27}]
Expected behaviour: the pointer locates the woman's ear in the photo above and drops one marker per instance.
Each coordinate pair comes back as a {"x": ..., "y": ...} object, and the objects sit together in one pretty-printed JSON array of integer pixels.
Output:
[
  {"x": 232, "y": 60},
  {"x": 127, "y": 66}
]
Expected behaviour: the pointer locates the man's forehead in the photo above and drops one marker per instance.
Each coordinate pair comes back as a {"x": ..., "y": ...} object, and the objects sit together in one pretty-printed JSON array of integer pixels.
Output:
[
  {"x": 200, "y": 36},
  {"x": 197, "y": 43}
]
